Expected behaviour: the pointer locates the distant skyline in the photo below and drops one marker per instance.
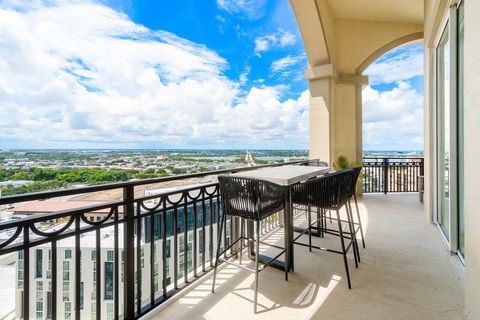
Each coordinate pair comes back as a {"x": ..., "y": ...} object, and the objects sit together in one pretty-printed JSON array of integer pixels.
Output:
[{"x": 178, "y": 74}]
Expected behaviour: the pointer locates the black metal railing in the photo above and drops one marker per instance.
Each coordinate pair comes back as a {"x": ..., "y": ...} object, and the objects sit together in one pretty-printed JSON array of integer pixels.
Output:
[
  {"x": 142, "y": 251},
  {"x": 392, "y": 174}
]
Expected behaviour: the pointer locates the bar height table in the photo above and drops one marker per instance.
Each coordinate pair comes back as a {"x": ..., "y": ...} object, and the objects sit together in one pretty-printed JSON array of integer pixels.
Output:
[{"x": 286, "y": 176}]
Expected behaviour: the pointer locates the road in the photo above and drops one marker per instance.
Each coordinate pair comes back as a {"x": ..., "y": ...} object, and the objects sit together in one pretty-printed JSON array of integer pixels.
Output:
[{"x": 249, "y": 159}]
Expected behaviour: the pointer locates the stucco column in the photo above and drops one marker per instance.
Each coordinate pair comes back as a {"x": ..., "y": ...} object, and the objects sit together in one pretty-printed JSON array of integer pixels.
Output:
[
  {"x": 348, "y": 122},
  {"x": 335, "y": 114},
  {"x": 321, "y": 101},
  {"x": 322, "y": 89}
]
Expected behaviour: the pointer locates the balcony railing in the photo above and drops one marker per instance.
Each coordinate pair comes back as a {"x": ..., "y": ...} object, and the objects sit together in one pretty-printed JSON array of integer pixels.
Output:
[
  {"x": 142, "y": 251},
  {"x": 392, "y": 174}
]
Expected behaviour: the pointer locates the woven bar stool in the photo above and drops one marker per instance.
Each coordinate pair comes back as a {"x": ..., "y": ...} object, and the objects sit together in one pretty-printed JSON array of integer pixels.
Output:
[
  {"x": 328, "y": 192},
  {"x": 251, "y": 200},
  {"x": 356, "y": 225},
  {"x": 353, "y": 194}
]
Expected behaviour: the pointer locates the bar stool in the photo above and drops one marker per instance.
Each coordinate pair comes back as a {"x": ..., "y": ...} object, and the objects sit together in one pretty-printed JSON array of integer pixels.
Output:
[
  {"x": 328, "y": 192},
  {"x": 353, "y": 193},
  {"x": 251, "y": 200},
  {"x": 356, "y": 225}
]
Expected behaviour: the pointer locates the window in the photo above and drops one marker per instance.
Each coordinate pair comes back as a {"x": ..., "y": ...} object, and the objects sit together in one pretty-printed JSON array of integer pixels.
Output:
[
  {"x": 94, "y": 255},
  {"x": 49, "y": 305},
  {"x": 94, "y": 310},
  {"x": 155, "y": 277},
  {"x": 168, "y": 248},
  {"x": 39, "y": 293},
  {"x": 110, "y": 255},
  {"x": 110, "y": 315},
  {"x": 66, "y": 270},
  {"x": 39, "y": 300},
  {"x": 68, "y": 310},
  {"x": 200, "y": 241},
  {"x": 20, "y": 273},
  {"x": 81, "y": 295},
  {"x": 108, "y": 280},
  {"x": 68, "y": 254},
  {"x": 38, "y": 263}
]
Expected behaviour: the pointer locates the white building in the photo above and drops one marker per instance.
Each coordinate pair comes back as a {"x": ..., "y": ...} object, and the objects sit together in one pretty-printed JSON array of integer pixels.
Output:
[{"x": 41, "y": 270}]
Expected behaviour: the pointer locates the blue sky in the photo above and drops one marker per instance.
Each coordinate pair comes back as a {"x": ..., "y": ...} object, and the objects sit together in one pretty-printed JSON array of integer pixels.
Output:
[{"x": 176, "y": 74}]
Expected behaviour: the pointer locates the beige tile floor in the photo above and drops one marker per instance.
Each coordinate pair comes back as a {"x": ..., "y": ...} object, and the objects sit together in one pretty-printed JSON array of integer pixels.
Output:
[{"x": 406, "y": 273}]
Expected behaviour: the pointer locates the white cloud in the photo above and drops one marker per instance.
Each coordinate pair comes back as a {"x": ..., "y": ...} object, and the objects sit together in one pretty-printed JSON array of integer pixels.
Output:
[
  {"x": 286, "y": 63},
  {"x": 392, "y": 119},
  {"x": 398, "y": 65},
  {"x": 252, "y": 9},
  {"x": 289, "y": 67},
  {"x": 277, "y": 40},
  {"x": 83, "y": 73}
]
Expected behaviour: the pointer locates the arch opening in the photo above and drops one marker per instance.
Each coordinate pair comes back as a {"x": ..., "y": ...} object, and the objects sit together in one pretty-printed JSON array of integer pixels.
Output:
[{"x": 393, "y": 113}]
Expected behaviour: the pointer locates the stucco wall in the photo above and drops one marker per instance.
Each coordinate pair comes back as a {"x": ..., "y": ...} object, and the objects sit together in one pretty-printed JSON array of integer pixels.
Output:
[{"x": 472, "y": 156}]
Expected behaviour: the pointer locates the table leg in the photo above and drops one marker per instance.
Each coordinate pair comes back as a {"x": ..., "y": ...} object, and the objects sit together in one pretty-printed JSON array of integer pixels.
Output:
[
  {"x": 290, "y": 228},
  {"x": 286, "y": 233}
]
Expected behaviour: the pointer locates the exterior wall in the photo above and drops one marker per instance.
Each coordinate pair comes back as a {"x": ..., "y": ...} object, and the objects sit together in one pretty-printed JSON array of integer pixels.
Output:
[{"x": 472, "y": 155}]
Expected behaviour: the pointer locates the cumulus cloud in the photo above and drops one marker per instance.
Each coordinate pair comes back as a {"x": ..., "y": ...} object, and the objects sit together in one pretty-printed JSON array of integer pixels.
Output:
[
  {"x": 251, "y": 9},
  {"x": 398, "y": 65},
  {"x": 279, "y": 39},
  {"x": 80, "y": 72},
  {"x": 392, "y": 105},
  {"x": 392, "y": 119}
]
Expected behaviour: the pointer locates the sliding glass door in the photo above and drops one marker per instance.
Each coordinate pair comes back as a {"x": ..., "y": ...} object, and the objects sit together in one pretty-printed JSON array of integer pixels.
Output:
[
  {"x": 443, "y": 132},
  {"x": 460, "y": 108}
]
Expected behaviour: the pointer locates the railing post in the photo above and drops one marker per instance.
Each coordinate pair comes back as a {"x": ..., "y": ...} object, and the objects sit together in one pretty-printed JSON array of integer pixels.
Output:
[
  {"x": 129, "y": 247},
  {"x": 385, "y": 175}
]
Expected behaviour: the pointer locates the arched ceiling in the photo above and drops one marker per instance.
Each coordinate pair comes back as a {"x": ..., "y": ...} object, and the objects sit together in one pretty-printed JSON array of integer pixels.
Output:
[{"x": 397, "y": 11}]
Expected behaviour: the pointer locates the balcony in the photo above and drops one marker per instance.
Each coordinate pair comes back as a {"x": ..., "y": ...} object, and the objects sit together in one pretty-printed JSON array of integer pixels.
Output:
[
  {"x": 404, "y": 274},
  {"x": 103, "y": 252}
]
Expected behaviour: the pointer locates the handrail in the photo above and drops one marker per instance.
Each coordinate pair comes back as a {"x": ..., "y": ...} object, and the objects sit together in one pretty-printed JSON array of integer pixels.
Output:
[
  {"x": 138, "y": 223},
  {"x": 392, "y": 174},
  {"x": 135, "y": 183}
]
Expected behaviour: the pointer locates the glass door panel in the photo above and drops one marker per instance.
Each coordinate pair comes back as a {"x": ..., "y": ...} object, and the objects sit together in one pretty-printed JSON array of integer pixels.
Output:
[
  {"x": 443, "y": 132},
  {"x": 460, "y": 95}
]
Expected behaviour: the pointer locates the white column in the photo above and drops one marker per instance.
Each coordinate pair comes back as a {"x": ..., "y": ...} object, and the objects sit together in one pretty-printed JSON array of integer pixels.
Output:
[{"x": 471, "y": 161}]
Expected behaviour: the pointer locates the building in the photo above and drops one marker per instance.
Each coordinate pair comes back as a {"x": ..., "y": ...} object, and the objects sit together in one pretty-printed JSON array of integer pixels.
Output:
[
  {"x": 41, "y": 270},
  {"x": 342, "y": 38}
]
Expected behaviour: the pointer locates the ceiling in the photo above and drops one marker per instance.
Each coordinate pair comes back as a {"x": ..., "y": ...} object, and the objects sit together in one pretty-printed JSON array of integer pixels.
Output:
[{"x": 400, "y": 11}]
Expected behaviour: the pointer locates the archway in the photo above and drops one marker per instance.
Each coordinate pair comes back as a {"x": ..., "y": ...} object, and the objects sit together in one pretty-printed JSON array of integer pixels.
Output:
[{"x": 392, "y": 116}]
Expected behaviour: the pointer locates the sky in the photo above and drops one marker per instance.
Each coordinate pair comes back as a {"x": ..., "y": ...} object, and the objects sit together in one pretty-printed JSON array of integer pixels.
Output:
[{"x": 178, "y": 74}]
